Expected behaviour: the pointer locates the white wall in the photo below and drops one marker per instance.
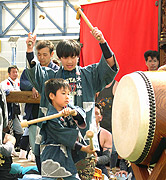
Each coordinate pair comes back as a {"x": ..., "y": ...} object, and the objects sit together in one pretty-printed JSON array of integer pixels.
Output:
[{"x": 6, "y": 51}]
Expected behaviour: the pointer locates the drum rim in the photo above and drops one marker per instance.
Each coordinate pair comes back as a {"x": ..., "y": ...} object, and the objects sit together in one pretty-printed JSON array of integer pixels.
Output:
[{"x": 152, "y": 119}]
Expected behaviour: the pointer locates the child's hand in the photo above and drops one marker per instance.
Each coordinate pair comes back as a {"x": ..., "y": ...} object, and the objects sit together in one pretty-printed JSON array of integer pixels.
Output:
[
  {"x": 98, "y": 35},
  {"x": 68, "y": 111},
  {"x": 88, "y": 150}
]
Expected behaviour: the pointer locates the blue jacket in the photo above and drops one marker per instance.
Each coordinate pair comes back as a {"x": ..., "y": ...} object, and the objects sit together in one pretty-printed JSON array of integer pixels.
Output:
[
  {"x": 25, "y": 85},
  {"x": 58, "y": 139}
]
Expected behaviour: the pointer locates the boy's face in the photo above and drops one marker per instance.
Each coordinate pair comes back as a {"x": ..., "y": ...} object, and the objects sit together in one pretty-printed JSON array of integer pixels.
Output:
[
  {"x": 13, "y": 74},
  {"x": 69, "y": 63},
  {"x": 152, "y": 64},
  {"x": 44, "y": 56},
  {"x": 61, "y": 99},
  {"x": 98, "y": 115}
]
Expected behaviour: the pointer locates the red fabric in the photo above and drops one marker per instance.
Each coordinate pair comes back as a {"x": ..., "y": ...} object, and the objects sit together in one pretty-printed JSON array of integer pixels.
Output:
[{"x": 130, "y": 28}]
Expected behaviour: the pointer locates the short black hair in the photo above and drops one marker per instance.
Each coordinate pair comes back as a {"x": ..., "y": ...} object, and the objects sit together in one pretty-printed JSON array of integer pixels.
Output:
[
  {"x": 152, "y": 54},
  {"x": 99, "y": 107},
  {"x": 68, "y": 48},
  {"x": 12, "y": 67},
  {"x": 52, "y": 85},
  {"x": 45, "y": 43}
]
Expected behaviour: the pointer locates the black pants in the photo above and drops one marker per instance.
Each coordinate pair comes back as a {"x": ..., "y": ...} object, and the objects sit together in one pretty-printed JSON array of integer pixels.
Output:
[
  {"x": 38, "y": 163},
  {"x": 18, "y": 138},
  {"x": 24, "y": 143}
]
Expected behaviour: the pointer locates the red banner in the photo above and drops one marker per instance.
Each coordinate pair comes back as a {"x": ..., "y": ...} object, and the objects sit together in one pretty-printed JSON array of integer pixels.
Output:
[{"x": 130, "y": 28}]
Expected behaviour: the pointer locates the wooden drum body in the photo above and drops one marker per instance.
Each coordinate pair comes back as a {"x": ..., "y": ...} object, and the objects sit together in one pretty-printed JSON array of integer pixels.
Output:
[{"x": 139, "y": 115}]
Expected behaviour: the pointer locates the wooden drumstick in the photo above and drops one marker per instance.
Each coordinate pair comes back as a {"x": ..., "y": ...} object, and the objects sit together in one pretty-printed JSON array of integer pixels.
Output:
[
  {"x": 78, "y": 9},
  {"x": 41, "y": 17},
  {"x": 90, "y": 134},
  {"x": 80, "y": 12},
  {"x": 78, "y": 15},
  {"x": 26, "y": 123}
]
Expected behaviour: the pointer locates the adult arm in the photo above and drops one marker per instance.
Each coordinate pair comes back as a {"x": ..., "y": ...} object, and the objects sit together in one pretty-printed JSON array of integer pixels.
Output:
[
  {"x": 36, "y": 74},
  {"x": 25, "y": 84},
  {"x": 105, "y": 158},
  {"x": 30, "y": 74},
  {"x": 31, "y": 40},
  {"x": 106, "y": 144}
]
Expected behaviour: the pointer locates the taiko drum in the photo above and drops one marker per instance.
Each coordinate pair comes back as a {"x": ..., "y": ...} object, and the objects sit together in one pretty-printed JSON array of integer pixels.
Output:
[{"x": 139, "y": 115}]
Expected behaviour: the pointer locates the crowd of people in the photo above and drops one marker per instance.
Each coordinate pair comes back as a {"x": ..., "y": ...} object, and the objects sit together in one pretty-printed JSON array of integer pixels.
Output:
[{"x": 84, "y": 96}]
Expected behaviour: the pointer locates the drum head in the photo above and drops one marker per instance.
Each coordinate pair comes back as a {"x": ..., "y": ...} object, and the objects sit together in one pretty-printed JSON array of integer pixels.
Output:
[{"x": 130, "y": 116}]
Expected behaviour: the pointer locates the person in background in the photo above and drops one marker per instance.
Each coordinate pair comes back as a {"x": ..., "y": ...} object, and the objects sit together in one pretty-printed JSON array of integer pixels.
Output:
[
  {"x": 105, "y": 142},
  {"x": 125, "y": 170},
  {"x": 105, "y": 99},
  {"x": 8, "y": 85},
  {"x": 3, "y": 113},
  {"x": 45, "y": 52},
  {"x": 8, "y": 169},
  {"x": 152, "y": 59},
  {"x": 7, "y": 142},
  {"x": 6, "y": 148}
]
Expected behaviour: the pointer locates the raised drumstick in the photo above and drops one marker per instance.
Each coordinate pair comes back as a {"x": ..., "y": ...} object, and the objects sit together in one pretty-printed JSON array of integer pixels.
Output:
[
  {"x": 80, "y": 12},
  {"x": 26, "y": 123},
  {"x": 78, "y": 9},
  {"x": 41, "y": 17}
]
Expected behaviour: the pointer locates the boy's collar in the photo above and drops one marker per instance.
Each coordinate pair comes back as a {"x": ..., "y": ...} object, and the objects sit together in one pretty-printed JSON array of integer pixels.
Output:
[{"x": 73, "y": 71}]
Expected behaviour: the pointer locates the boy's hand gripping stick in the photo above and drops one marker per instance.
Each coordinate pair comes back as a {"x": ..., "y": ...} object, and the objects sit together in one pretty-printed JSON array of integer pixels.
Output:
[{"x": 26, "y": 123}]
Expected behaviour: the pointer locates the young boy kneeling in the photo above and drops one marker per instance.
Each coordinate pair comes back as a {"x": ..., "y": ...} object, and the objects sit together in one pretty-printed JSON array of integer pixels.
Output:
[{"x": 59, "y": 136}]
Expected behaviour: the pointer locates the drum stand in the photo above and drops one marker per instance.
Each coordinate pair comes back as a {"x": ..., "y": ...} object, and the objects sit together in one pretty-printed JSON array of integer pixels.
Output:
[{"x": 158, "y": 172}]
